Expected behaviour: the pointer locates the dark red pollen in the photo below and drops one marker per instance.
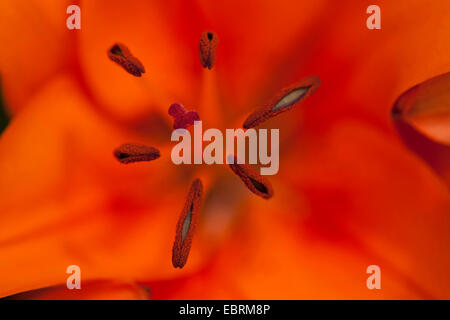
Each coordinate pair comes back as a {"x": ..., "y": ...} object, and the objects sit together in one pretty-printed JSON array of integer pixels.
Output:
[
  {"x": 207, "y": 49},
  {"x": 186, "y": 225},
  {"x": 120, "y": 54},
  {"x": 130, "y": 152},
  {"x": 287, "y": 99}
]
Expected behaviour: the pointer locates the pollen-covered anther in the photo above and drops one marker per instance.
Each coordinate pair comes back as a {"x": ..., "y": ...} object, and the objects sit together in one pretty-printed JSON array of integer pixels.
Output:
[
  {"x": 207, "y": 49},
  {"x": 186, "y": 225},
  {"x": 120, "y": 54},
  {"x": 130, "y": 152},
  {"x": 287, "y": 99},
  {"x": 255, "y": 182}
]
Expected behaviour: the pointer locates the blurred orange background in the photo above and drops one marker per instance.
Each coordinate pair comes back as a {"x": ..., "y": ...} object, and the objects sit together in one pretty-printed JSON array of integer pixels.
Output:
[{"x": 349, "y": 192}]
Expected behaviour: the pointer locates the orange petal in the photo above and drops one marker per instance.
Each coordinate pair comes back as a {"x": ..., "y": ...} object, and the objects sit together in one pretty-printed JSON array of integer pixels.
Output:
[
  {"x": 260, "y": 43},
  {"x": 352, "y": 199},
  {"x": 66, "y": 200},
  {"x": 361, "y": 188},
  {"x": 427, "y": 108},
  {"x": 364, "y": 71},
  {"x": 92, "y": 290},
  {"x": 422, "y": 118},
  {"x": 147, "y": 29},
  {"x": 36, "y": 45},
  {"x": 274, "y": 257}
]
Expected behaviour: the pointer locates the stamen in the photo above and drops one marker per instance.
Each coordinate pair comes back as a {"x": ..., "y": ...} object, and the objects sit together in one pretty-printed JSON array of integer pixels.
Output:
[
  {"x": 426, "y": 109},
  {"x": 252, "y": 179},
  {"x": 287, "y": 99},
  {"x": 129, "y": 152},
  {"x": 120, "y": 54},
  {"x": 208, "y": 48},
  {"x": 182, "y": 118},
  {"x": 291, "y": 98},
  {"x": 186, "y": 225}
]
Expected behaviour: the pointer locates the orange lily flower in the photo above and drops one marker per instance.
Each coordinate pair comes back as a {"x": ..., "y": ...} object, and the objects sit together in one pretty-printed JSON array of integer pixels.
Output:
[{"x": 348, "y": 194}]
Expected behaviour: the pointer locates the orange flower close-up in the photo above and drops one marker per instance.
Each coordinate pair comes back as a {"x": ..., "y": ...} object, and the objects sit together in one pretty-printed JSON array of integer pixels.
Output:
[{"x": 87, "y": 176}]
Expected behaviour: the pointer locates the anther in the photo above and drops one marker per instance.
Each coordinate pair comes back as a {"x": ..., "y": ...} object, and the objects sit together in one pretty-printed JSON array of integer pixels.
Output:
[
  {"x": 129, "y": 152},
  {"x": 255, "y": 182},
  {"x": 120, "y": 54},
  {"x": 208, "y": 48}
]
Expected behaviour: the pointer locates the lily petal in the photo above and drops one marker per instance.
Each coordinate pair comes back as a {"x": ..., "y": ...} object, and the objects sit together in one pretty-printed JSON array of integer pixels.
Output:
[
  {"x": 66, "y": 200},
  {"x": 91, "y": 290},
  {"x": 171, "y": 62},
  {"x": 36, "y": 45},
  {"x": 422, "y": 117},
  {"x": 427, "y": 108},
  {"x": 377, "y": 196}
]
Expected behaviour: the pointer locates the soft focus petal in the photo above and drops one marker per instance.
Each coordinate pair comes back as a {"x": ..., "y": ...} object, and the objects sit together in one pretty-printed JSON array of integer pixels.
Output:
[
  {"x": 351, "y": 200},
  {"x": 282, "y": 260},
  {"x": 36, "y": 45},
  {"x": 93, "y": 290},
  {"x": 260, "y": 43},
  {"x": 427, "y": 108},
  {"x": 66, "y": 200},
  {"x": 348, "y": 193},
  {"x": 146, "y": 28},
  {"x": 364, "y": 71},
  {"x": 363, "y": 188},
  {"x": 422, "y": 118}
]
